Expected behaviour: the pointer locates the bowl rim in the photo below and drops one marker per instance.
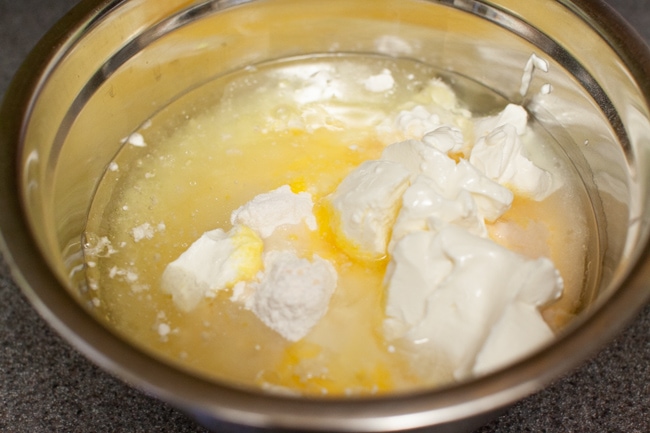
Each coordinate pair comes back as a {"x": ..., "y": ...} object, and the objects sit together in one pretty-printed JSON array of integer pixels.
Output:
[{"x": 256, "y": 408}]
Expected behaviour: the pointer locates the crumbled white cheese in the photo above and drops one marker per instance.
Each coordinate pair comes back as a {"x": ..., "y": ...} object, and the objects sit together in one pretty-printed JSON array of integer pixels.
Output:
[
  {"x": 128, "y": 275},
  {"x": 414, "y": 185},
  {"x": 448, "y": 284},
  {"x": 420, "y": 158},
  {"x": 413, "y": 123},
  {"x": 147, "y": 124},
  {"x": 293, "y": 293},
  {"x": 435, "y": 107},
  {"x": 163, "y": 329},
  {"x": 143, "y": 231},
  {"x": 393, "y": 45},
  {"x": 268, "y": 211},
  {"x": 381, "y": 82},
  {"x": 136, "y": 139},
  {"x": 500, "y": 155},
  {"x": 443, "y": 192},
  {"x": 518, "y": 332},
  {"x": 131, "y": 276},
  {"x": 318, "y": 85},
  {"x": 139, "y": 288},
  {"x": 445, "y": 139},
  {"x": 546, "y": 89},
  {"x": 465, "y": 296},
  {"x": 101, "y": 247},
  {"x": 366, "y": 203},
  {"x": 216, "y": 261}
]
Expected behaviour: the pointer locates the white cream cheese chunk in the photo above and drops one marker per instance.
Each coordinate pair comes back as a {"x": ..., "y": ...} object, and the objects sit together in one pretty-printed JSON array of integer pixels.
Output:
[
  {"x": 500, "y": 155},
  {"x": 426, "y": 207},
  {"x": 445, "y": 139},
  {"x": 215, "y": 261},
  {"x": 520, "y": 331},
  {"x": 435, "y": 190},
  {"x": 437, "y": 106},
  {"x": 444, "y": 192},
  {"x": 420, "y": 157},
  {"x": 416, "y": 122},
  {"x": 366, "y": 203},
  {"x": 468, "y": 298},
  {"x": 268, "y": 211},
  {"x": 292, "y": 293}
]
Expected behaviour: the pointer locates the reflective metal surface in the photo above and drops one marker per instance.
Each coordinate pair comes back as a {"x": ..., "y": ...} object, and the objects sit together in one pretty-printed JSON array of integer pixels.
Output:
[{"x": 115, "y": 63}]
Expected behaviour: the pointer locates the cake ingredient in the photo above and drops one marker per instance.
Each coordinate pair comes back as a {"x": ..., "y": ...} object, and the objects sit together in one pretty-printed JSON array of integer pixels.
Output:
[
  {"x": 381, "y": 82},
  {"x": 268, "y": 211},
  {"x": 292, "y": 303},
  {"x": 292, "y": 294},
  {"x": 449, "y": 287},
  {"x": 365, "y": 205},
  {"x": 467, "y": 299},
  {"x": 500, "y": 155},
  {"x": 287, "y": 293},
  {"x": 215, "y": 261}
]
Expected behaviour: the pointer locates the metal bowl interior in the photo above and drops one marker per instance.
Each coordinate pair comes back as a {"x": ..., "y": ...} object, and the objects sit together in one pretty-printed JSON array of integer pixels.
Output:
[{"x": 110, "y": 65}]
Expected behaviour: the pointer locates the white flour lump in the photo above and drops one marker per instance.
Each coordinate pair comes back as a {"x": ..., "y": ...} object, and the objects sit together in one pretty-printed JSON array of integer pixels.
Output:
[
  {"x": 381, "y": 82},
  {"x": 288, "y": 293},
  {"x": 293, "y": 293}
]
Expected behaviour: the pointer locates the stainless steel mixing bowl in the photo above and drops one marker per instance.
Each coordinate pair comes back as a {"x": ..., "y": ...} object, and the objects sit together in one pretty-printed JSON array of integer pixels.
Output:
[{"x": 109, "y": 65}]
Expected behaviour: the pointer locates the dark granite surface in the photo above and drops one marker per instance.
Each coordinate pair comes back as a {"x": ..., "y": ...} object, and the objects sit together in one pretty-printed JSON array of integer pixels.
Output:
[{"x": 46, "y": 386}]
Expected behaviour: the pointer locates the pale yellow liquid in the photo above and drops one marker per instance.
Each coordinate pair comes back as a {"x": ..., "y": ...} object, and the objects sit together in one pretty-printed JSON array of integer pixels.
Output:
[{"x": 235, "y": 140}]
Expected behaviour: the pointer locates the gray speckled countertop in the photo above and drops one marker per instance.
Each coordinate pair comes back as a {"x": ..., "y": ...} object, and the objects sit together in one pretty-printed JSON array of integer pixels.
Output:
[{"x": 46, "y": 386}]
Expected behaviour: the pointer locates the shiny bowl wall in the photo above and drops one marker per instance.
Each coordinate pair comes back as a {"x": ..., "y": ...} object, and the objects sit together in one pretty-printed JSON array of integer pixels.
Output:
[{"x": 108, "y": 66}]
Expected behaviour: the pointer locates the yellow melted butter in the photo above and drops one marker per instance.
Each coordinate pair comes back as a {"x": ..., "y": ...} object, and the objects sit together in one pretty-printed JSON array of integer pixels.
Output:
[{"x": 192, "y": 178}]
